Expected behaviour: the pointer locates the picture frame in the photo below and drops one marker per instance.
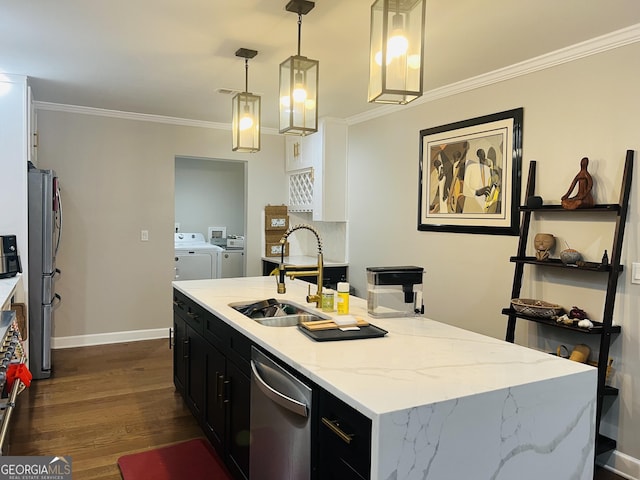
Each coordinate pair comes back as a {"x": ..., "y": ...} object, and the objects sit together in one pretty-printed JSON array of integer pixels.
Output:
[{"x": 470, "y": 175}]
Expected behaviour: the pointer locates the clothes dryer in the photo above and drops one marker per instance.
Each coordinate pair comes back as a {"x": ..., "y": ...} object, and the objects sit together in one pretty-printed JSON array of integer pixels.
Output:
[{"x": 196, "y": 258}]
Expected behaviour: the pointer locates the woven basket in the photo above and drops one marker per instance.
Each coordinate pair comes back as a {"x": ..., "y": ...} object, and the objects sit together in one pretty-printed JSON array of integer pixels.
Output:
[{"x": 536, "y": 308}]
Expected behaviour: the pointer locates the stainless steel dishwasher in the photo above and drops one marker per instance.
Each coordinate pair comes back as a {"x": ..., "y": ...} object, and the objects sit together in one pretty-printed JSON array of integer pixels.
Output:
[{"x": 280, "y": 422}]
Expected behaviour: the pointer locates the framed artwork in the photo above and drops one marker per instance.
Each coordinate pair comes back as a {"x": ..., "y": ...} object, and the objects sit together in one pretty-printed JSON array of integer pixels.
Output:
[{"x": 470, "y": 175}]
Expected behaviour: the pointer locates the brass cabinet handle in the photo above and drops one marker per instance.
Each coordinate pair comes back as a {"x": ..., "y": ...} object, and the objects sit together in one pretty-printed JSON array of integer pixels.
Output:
[{"x": 333, "y": 425}]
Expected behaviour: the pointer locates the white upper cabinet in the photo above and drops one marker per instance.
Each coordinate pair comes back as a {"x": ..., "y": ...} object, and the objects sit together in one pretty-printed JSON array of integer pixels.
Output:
[
  {"x": 298, "y": 154},
  {"x": 316, "y": 167}
]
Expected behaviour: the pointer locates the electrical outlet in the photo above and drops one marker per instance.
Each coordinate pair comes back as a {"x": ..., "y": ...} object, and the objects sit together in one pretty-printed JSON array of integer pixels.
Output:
[
  {"x": 635, "y": 272},
  {"x": 144, "y": 235}
]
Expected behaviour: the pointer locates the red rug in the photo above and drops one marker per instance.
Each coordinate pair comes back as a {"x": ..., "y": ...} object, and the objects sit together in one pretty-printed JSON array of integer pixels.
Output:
[{"x": 193, "y": 460}]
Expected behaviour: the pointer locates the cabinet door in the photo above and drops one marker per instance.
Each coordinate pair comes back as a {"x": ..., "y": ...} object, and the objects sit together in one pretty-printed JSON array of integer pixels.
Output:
[
  {"x": 330, "y": 175},
  {"x": 239, "y": 402},
  {"x": 344, "y": 441},
  {"x": 232, "y": 264},
  {"x": 268, "y": 267},
  {"x": 298, "y": 153},
  {"x": 214, "y": 410},
  {"x": 196, "y": 369},
  {"x": 179, "y": 352}
]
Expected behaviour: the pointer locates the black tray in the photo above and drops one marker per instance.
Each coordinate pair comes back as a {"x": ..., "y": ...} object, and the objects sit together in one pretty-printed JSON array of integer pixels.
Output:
[{"x": 370, "y": 331}]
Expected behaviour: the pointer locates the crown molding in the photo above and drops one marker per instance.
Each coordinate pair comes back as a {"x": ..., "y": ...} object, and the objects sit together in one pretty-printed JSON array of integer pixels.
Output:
[
  {"x": 594, "y": 46},
  {"x": 610, "y": 41},
  {"x": 141, "y": 117}
]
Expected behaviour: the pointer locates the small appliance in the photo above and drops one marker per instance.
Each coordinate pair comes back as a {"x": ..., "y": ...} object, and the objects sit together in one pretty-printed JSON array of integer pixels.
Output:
[
  {"x": 217, "y": 236},
  {"x": 9, "y": 259},
  {"x": 235, "y": 241},
  {"x": 394, "y": 291}
]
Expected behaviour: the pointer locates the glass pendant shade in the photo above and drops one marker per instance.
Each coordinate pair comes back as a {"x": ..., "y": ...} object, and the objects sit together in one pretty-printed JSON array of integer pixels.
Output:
[
  {"x": 299, "y": 95},
  {"x": 246, "y": 122},
  {"x": 396, "y": 56}
]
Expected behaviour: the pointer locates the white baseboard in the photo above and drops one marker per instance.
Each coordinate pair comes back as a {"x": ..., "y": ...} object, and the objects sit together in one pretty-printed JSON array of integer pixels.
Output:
[
  {"x": 106, "y": 338},
  {"x": 620, "y": 464}
]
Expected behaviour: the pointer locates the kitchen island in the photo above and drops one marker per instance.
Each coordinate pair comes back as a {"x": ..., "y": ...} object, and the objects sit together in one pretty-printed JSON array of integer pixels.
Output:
[{"x": 444, "y": 403}]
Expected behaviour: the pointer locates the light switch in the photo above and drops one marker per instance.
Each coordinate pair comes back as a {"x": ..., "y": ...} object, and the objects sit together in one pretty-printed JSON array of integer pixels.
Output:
[
  {"x": 144, "y": 235},
  {"x": 635, "y": 272}
]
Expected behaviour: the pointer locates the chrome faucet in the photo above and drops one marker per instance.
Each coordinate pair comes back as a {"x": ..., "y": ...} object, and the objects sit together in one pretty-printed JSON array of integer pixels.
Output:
[{"x": 293, "y": 271}]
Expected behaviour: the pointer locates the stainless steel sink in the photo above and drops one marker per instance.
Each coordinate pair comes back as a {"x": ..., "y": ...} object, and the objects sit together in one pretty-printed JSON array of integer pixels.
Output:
[{"x": 274, "y": 313}]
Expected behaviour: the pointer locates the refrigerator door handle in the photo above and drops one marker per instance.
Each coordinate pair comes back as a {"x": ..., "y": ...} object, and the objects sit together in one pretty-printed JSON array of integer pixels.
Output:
[{"x": 59, "y": 219}]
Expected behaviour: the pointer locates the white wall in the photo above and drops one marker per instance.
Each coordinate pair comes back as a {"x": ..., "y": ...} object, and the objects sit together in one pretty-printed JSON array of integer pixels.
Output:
[
  {"x": 585, "y": 108},
  {"x": 210, "y": 193},
  {"x": 117, "y": 178}
]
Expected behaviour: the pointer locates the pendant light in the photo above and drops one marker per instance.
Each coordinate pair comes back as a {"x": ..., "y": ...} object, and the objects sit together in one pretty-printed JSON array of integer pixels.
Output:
[
  {"x": 246, "y": 112},
  {"x": 396, "y": 56},
  {"x": 299, "y": 84}
]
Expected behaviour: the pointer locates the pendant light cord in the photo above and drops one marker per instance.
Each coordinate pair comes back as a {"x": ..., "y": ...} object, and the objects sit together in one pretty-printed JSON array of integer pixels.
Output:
[
  {"x": 246, "y": 75},
  {"x": 299, "y": 31}
]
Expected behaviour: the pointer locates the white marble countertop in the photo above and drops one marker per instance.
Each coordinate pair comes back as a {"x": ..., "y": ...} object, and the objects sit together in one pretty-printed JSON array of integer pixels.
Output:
[
  {"x": 419, "y": 362},
  {"x": 7, "y": 286},
  {"x": 306, "y": 260}
]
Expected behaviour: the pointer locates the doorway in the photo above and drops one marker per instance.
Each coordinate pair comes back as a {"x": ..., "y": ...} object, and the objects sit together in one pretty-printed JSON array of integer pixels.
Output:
[{"x": 211, "y": 193}]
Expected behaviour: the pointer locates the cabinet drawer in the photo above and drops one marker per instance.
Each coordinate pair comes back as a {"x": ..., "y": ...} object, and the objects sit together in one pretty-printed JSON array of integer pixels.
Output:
[
  {"x": 217, "y": 332},
  {"x": 240, "y": 351},
  {"x": 345, "y": 438},
  {"x": 233, "y": 344},
  {"x": 190, "y": 311},
  {"x": 180, "y": 303}
]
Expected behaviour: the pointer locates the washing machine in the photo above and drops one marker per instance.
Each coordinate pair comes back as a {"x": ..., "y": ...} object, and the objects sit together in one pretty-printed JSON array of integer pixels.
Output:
[{"x": 195, "y": 258}]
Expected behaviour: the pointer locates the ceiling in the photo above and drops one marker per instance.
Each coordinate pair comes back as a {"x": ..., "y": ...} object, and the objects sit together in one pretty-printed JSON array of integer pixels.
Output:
[{"x": 170, "y": 57}]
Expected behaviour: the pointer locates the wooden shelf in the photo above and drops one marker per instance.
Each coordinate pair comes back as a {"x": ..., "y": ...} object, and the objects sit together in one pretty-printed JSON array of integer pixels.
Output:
[
  {"x": 555, "y": 262},
  {"x": 604, "y": 444},
  {"x": 597, "y": 329},
  {"x": 605, "y": 207}
]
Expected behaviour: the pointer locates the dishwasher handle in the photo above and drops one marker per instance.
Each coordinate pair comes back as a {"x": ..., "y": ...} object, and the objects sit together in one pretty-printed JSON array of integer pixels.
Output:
[{"x": 284, "y": 401}]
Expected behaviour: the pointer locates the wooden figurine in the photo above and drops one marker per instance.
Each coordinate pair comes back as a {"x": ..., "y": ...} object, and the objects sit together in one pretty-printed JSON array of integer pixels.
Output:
[{"x": 584, "y": 182}]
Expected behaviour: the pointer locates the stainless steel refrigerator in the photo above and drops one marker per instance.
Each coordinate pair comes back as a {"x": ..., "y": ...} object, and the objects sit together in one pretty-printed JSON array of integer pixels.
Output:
[{"x": 45, "y": 228}]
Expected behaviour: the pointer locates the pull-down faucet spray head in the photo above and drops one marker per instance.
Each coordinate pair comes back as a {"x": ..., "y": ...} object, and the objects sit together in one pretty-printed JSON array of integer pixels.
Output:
[{"x": 293, "y": 271}]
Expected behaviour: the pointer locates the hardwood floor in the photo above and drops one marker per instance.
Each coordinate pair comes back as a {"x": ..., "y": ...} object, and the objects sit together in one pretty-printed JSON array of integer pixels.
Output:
[
  {"x": 101, "y": 403},
  {"x": 107, "y": 401}
]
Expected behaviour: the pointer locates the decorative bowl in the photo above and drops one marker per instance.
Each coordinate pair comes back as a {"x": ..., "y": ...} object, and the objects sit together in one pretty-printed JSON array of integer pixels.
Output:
[
  {"x": 536, "y": 308},
  {"x": 570, "y": 256}
]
